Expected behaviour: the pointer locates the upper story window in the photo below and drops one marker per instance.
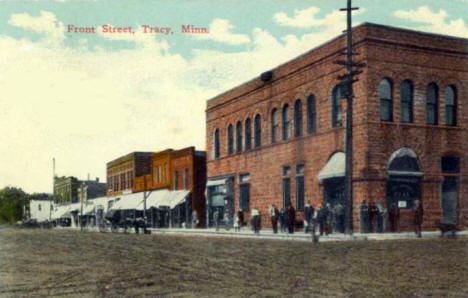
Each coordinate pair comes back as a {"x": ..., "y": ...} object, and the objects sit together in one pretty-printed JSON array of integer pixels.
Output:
[
  {"x": 406, "y": 102},
  {"x": 186, "y": 178},
  {"x": 238, "y": 136},
  {"x": 257, "y": 131},
  {"x": 432, "y": 96},
  {"x": 311, "y": 114},
  {"x": 216, "y": 144},
  {"x": 450, "y": 106},
  {"x": 385, "y": 100},
  {"x": 273, "y": 124},
  {"x": 336, "y": 107},
  {"x": 285, "y": 117},
  {"x": 450, "y": 164},
  {"x": 248, "y": 134},
  {"x": 230, "y": 139},
  {"x": 298, "y": 118},
  {"x": 176, "y": 180}
]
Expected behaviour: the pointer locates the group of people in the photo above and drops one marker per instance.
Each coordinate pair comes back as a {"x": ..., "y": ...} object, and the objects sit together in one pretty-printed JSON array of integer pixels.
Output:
[
  {"x": 327, "y": 218},
  {"x": 372, "y": 217}
]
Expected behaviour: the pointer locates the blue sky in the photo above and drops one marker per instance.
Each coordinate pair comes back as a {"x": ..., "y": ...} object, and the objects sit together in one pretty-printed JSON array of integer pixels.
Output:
[{"x": 86, "y": 99}]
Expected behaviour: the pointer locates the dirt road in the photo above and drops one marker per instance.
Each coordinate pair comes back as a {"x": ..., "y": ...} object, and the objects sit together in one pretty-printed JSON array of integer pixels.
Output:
[{"x": 70, "y": 263}]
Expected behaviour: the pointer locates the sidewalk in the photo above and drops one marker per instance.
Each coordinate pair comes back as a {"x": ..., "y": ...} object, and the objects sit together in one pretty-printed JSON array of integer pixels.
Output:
[{"x": 297, "y": 236}]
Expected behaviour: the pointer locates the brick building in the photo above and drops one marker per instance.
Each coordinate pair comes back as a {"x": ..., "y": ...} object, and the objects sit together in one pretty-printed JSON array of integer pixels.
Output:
[
  {"x": 69, "y": 189},
  {"x": 122, "y": 171},
  {"x": 280, "y": 137},
  {"x": 183, "y": 169}
]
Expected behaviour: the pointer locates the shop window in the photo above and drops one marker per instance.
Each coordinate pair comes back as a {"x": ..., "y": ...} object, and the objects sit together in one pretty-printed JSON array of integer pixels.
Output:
[
  {"x": 244, "y": 192},
  {"x": 286, "y": 185},
  {"x": 300, "y": 186}
]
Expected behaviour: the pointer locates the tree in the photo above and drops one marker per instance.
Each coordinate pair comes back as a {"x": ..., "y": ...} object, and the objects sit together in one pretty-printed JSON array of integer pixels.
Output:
[{"x": 12, "y": 200}]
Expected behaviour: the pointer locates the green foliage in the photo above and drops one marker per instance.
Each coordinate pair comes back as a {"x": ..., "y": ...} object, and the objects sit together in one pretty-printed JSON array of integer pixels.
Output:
[{"x": 12, "y": 200}]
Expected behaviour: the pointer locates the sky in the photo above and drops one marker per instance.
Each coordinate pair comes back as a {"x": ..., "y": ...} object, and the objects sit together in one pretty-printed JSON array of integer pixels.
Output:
[{"x": 88, "y": 98}]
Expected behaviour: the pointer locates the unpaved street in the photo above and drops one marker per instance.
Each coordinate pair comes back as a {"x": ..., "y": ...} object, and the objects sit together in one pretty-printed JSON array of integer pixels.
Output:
[{"x": 70, "y": 263}]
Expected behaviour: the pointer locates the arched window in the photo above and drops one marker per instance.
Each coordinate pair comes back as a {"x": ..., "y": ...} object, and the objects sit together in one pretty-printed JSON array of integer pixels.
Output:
[
  {"x": 257, "y": 131},
  {"x": 248, "y": 134},
  {"x": 432, "y": 95},
  {"x": 311, "y": 114},
  {"x": 273, "y": 126},
  {"x": 385, "y": 100},
  {"x": 450, "y": 106},
  {"x": 238, "y": 136},
  {"x": 297, "y": 118},
  {"x": 336, "y": 107},
  {"x": 406, "y": 102},
  {"x": 230, "y": 139},
  {"x": 285, "y": 118},
  {"x": 216, "y": 144}
]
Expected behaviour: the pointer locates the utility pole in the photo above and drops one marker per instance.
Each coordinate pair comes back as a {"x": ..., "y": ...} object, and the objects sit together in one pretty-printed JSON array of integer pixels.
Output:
[{"x": 347, "y": 87}]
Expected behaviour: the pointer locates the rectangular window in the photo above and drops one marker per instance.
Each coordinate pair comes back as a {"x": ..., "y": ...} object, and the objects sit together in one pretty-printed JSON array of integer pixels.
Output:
[
  {"x": 244, "y": 192},
  {"x": 176, "y": 180},
  {"x": 39, "y": 207},
  {"x": 300, "y": 187},
  {"x": 286, "y": 186},
  {"x": 186, "y": 174}
]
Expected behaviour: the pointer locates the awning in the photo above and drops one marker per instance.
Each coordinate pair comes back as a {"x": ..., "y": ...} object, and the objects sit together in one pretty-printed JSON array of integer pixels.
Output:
[
  {"x": 61, "y": 211},
  {"x": 216, "y": 182},
  {"x": 129, "y": 201},
  {"x": 164, "y": 198},
  {"x": 334, "y": 168}
]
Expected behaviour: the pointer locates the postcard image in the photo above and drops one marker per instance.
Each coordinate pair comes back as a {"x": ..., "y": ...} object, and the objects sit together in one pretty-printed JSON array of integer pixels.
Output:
[{"x": 212, "y": 148}]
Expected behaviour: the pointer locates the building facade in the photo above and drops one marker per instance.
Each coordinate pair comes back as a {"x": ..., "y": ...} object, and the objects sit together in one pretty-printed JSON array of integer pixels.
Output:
[
  {"x": 122, "y": 171},
  {"x": 66, "y": 189},
  {"x": 41, "y": 209},
  {"x": 280, "y": 138},
  {"x": 183, "y": 169},
  {"x": 90, "y": 189}
]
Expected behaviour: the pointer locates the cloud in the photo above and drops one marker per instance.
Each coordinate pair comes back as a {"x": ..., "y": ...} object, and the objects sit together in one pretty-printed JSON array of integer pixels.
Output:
[
  {"x": 88, "y": 106},
  {"x": 46, "y": 23},
  {"x": 220, "y": 31},
  {"x": 432, "y": 21}
]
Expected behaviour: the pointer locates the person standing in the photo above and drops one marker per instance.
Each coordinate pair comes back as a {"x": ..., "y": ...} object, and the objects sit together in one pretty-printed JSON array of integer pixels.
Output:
[
  {"x": 308, "y": 214},
  {"x": 291, "y": 215},
  {"x": 216, "y": 219},
  {"x": 340, "y": 217},
  {"x": 194, "y": 219},
  {"x": 372, "y": 216},
  {"x": 380, "y": 217},
  {"x": 254, "y": 220},
  {"x": 418, "y": 214},
  {"x": 363, "y": 216},
  {"x": 330, "y": 218},
  {"x": 393, "y": 216},
  {"x": 282, "y": 219},
  {"x": 236, "y": 223},
  {"x": 240, "y": 215},
  {"x": 322, "y": 215},
  {"x": 274, "y": 218}
]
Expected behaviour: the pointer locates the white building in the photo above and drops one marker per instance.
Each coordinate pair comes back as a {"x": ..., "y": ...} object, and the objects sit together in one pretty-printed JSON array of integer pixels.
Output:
[{"x": 41, "y": 210}]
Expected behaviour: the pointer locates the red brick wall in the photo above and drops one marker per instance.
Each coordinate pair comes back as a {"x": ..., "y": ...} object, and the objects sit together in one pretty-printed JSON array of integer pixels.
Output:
[{"x": 397, "y": 54}]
